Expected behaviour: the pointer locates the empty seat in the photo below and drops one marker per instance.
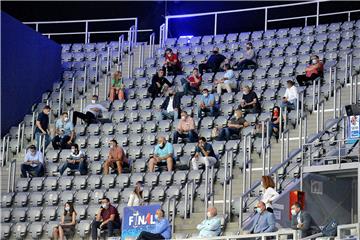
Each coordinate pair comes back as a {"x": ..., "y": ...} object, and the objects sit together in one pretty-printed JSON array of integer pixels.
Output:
[
  {"x": 21, "y": 199},
  {"x": 19, "y": 214},
  {"x": 49, "y": 213},
  {"x": 96, "y": 195},
  {"x": 80, "y": 182},
  {"x": 36, "y": 199},
  {"x": 94, "y": 181},
  {"x": 34, "y": 214},
  {"x": 7, "y": 199},
  {"x": 82, "y": 197}
]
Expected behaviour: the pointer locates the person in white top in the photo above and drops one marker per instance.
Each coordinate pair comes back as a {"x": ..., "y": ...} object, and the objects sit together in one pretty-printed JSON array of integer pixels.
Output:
[
  {"x": 269, "y": 192},
  {"x": 289, "y": 100},
  {"x": 92, "y": 111},
  {"x": 226, "y": 82},
  {"x": 136, "y": 197},
  {"x": 33, "y": 163}
]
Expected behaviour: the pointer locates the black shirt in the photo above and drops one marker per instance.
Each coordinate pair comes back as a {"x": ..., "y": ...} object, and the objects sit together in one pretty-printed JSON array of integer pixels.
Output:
[
  {"x": 215, "y": 60},
  {"x": 161, "y": 80},
  {"x": 239, "y": 121},
  {"x": 248, "y": 98},
  {"x": 207, "y": 148},
  {"x": 44, "y": 122}
]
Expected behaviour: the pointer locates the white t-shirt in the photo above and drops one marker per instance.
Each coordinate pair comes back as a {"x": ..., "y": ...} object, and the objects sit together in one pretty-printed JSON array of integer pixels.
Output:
[
  {"x": 134, "y": 200},
  {"x": 96, "y": 105},
  {"x": 37, "y": 157},
  {"x": 291, "y": 94},
  {"x": 269, "y": 195},
  {"x": 170, "y": 105},
  {"x": 229, "y": 74}
]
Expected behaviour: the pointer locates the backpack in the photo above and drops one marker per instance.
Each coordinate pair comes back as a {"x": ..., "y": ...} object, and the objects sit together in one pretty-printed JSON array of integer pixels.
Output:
[{"x": 330, "y": 229}]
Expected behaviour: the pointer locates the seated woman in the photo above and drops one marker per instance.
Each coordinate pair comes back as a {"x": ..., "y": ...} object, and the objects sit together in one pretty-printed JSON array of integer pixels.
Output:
[
  {"x": 248, "y": 60},
  {"x": 274, "y": 123},
  {"x": 117, "y": 88},
  {"x": 191, "y": 85},
  {"x": 313, "y": 71},
  {"x": 67, "y": 223},
  {"x": 136, "y": 197},
  {"x": 172, "y": 65},
  {"x": 159, "y": 84}
]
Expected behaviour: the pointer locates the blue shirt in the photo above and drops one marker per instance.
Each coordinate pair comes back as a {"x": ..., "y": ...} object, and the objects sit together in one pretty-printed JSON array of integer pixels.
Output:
[
  {"x": 263, "y": 223},
  {"x": 207, "y": 100},
  {"x": 210, "y": 227},
  {"x": 66, "y": 127},
  {"x": 208, "y": 148},
  {"x": 163, "y": 227},
  {"x": 166, "y": 150}
]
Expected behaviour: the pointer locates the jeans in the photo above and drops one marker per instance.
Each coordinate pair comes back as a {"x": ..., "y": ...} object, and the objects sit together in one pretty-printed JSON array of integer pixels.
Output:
[
  {"x": 110, "y": 226},
  {"x": 88, "y": 117},
  {"x": 27, "y": 169},
  {"x": 211, "y": 110},
  {"x": 244, "y": 64},
  {"x": 226, "y": 133},
  {"x": 189, "y": 89},
  {"x": 191, "y": 135},
  {"x": 286, "y": 106},
  {"x": 81, "y": 167},
  {"x": 61, "y": 142},
  {"x": 169, "y": 115},
  {"x": 37, "y": 139},
  {"x": 271, "y": 129},
  {"x": 149, "y": 236}
]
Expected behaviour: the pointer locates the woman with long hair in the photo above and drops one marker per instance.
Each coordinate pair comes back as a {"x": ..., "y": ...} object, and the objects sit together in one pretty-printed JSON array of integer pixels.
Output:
[
  {"x": 136, "y": 197},
  {"x": 67, "y": 222},
  {"x": 274, "y": 124},
  {"x": 270, "y": 193}
]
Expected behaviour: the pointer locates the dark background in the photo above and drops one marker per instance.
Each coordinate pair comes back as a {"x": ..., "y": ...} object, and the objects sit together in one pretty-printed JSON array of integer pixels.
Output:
[{"x": 151, "y": 16}]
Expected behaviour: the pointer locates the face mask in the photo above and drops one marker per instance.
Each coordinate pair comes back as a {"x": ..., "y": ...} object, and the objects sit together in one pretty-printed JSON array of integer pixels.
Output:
[
  {"x": 248, "y": 48},
  {"x": 66, "y": 119},
  {"x": 111, "y": 146},
  {"x": 73, "y": 150},
  {"x": 215, "y": 52},
  {"x": 67, "y": 209},
  {"x": 161, "y": 145},
  {"x": 33, "y": 153},
  {"x": 183, "y": 117},
  {"x": 293, "y": 212},
  {"x": 104, "y": 205},
  {"x": 93, "y": 101},
  {"x": 258, "y": 210},
  {"x": 314, "y": 61},
  {"x": 141, "y": 188},
  {"x": 245, "y": 93},
  {"x": 205, "y": 94},
  {"x": 156, "y": 217},
  {"x": 208, "y": 215}
]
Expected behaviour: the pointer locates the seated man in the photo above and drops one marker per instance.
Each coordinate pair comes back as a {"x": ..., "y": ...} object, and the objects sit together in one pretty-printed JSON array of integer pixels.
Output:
[
  {"x": 191, "y": 85},
  {"x": 226, "y": 82},
  {"x": 172, "y": 64},
  {"x": 170, "y": 108},
  {"x": 213, "y": 63},
  {"x": 164, "y": 151},
  {"x": 92, "y": 111},
  {"x": 249, "y": 102},
  {"x": 33, "y": 163},
  {"x": 185, "y": 128},
  {"x": 65, "y": 134},
  {"x": 159, "y": 84},
  {"x": 210, "y": 227},
  {"x": 76, "y": 161},
  {"x": 116, "y": 158},
  {"x": 162, "y": 228},
  {"x": 264, "y": 221},
  {"x": 248, "y": 59},
  {"x": 106, "y": 218},
  {"x": 301, "y": 220},
  {"x": 234, "y": 126},
  {"x": 204, "y": 154},
  {"x": 289, "y": 100},
  {"x": 207, "y": 104},
  {"x": 313, "y": 71}
]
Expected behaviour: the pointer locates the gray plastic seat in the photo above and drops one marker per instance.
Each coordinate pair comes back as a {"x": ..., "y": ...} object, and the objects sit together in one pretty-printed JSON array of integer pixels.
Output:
[
  {"x": 180, "y": 177},
  {"x": 7, "y": 199},
  {"x": 164, "y": 125},
  {"x": 158, "y": 193},
  {"x": 150, "y": 127},
  {"x": 113, "y": 195},
  {"x": 136, "y": 177},
  {"x": 21, "y": 199},
  {"x": 6, "y": 215},
  {"x": 82, "y": 197},
  {"x": 51, "y": 198},
  {"x": 173, "y": 190},
  {"x": 34, "y": 214},
  {"x": 94, "y": 182},
  {"x": 65, "y": 182},
  {"x": 304, "y": 49},
  {"x": 219, "y": 147},
  {"x": 151, "y": 178},
  {"x": 125, "y": 194},
  {"x": 94, "y": 141},
  {"x": 119, "y": 117},
  {"x": 291, "y": 50},
  {"x": 136, "y": 127},
  {"x": 19, "y": 214},
  {"x": 166, "y": 178},
  {"x": 93, "y": 154},
  {"x": 51, "y": 183},
  {"x": 49, "y": 213},
  {"x": 135, "y": 139},
  {"x": 49, "y": 227},
  {"x": 149, "y": 138},
  {"x": 83, "y": 228},
  {"x": 96, "y": 195},
  {"x": 278, "y": 62},
  {"x": 195, "y": 175},
  {"x": 80, "y": 182},
  {"x": 134, "y": 152},
  {"x": 139, "y": 165},
  {"x": 122, "y": 181},
  {"x": 20, "y": 230},
  {"x": 35, "y": 229},
  {"x": 108, "y": 181},
  {"x": 66, "y": 196},
  {"x": 36, "y": 199},
  {"x": 52, "y": 155}
]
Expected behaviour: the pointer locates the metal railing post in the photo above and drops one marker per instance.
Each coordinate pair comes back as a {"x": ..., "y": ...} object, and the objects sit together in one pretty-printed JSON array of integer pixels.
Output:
[
  {"x": 60, "y": 101},
  {"x": 225, "y": 182},
  {"x": 346, "y": 67},
  {"x": 108, "y": 61},
  {"x": 250, "y": 162},
  {"x": 317, "y": 12},
  {"x": 86, "y": 31},
  {"x": 241, "y": 213},
  {"x": 266, "y": 19},
  {"x": 106, "y": 87},
  {"x": 350, "y": 67},
  {"x": 313, "y": 96},
  {"x": 215, "y": 24},
  {"x": 186, "y": 200},
  {"x": 206, "y": 190},
  {"x": 33, "y": 126},
  {"x": 263, "y": 145},
  {"x": 230, "y": 181},
  {"x": 72, "y": 91},
  {"x": 151, "y": 45},
  {"x": 244, "y": 165},
  {"x": 18, "y": 138},
  {"x": 85, "y": 80},
  {"x": 269, "y": 157}
]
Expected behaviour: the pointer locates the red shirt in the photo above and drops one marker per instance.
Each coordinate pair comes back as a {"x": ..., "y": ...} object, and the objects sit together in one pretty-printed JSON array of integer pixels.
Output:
[
  {"x": 315, "y": 70},
  {"x": 192, "y": 81},
  {"x": 106, "y": 213},
  {"x": 173, "y": 58}
]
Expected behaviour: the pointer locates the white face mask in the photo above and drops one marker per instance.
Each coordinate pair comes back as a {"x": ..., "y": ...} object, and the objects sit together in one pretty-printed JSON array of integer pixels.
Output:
[
  {"x": 208, "y": 214},
  {"x": 183, "y": 117},
  {"x": 205, "y": 94},
  {"x": 258, "y": 210},
  {"x": 314, "y": 61},
  {"x": 73, "y": 150},
  {"x": 104, "y": 205},
  {"x": 293, "y": 212},
  {"x": 67, "y": 209},
  {"x": 66, "y": 119},
  {"x": 93, "y": 101},
  {"x": 156, "y": 217}
]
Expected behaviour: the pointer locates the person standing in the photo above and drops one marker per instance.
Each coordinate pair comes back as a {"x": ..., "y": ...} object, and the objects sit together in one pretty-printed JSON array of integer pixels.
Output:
[
  {"x": 269, "y": 194},
  {"x": 42, "y": 127}
]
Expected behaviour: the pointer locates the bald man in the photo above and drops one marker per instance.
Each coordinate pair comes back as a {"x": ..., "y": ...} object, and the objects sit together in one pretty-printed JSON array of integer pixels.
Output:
[
  {"x": 210, "y": 227},
  {"x": 264, "y": 221},
  {"x": 164, "y": 152}
]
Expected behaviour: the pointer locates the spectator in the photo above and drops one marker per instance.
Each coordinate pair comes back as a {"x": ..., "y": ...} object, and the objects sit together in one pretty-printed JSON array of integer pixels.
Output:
[
  {"x": 274, "y": 124},
  {"x": 92, "y": 111},
  {"x": 313, "y": 71},
  {"x": 172, "y": 65},
  {"x": 301, "y": 220},
  {"x": 76, "y": 161},
  {"x": 185, "y": 128},
  {"x": 117, "y": 88},
  {"x": 107, "y": 217},
  {"x": 164, "y": 151},
  {"x": 213, "y": 63},
  {"x": 170, "y": 109},
  {"x": 204, "y": 154},
  {"x": 67, "y": 222},
  {"x": 249, "y": 58},
  {"x": 33, "y": 163},
  {"x": 226, "y": 82},
  {"x": 207, "y": 104},
  {"x": 234, "y": 126},
  {"x": 264, "y": 221},
  {"x": 249, "y": 102},
  {"x": 269, "y": 194},
  {"x": 191, "y": 85},
  {"x": 162, "y": 228},
  {"x": 210, "y": 227},
  {"x": 42, "y": 127},
  {"x": 136, "y": 197},
  {"x": 116, "y": 158},
  {"x": 65, "y": 134},
  {"x": 159, "y": 84},
  {"x": 289, "y": 100}
]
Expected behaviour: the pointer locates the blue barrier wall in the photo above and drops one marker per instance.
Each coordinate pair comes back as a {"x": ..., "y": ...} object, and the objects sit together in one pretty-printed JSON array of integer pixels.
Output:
[{"x": 30, "y": 64}]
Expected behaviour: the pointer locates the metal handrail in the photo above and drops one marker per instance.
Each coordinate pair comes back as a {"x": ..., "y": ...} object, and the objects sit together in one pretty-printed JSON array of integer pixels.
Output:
[
  {"x": 228, "y": 176},
  {"x": 187, "y": 195},
  {"x": 151, "y": 45},
  {"x": 130, "y": 64},
  {"x": 11, "y": 179},
  {"x": 320, "y": 117},
  {"x": 121, "y": 51},
  {"x": 162, "y": 35},
  {"x": 341, "y": 228},
  {"x": 141, "y": 55},
  {"x": 209, "y": 193},
  {"x": 173, "y": 200},
  {"x": 5, "y": 152},
  {"x": 82, "y": 102},
  {"x": 285, "y": 151}
]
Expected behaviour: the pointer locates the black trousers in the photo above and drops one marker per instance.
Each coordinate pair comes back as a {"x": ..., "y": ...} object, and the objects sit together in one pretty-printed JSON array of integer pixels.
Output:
[
  {"x": 61, "y": 142},
  {"x": 149, "y": 236},
  {"x": 304, "y": 80},
  {"x": 206, "y": 67},
  {"x": 110, "y": 226},
  {"x": 88, "y": 117}
]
